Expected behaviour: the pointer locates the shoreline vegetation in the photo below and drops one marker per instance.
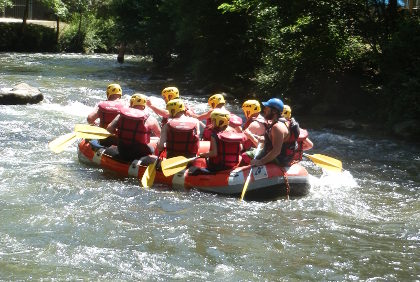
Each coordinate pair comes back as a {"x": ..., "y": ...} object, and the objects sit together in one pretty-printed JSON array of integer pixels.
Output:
[{"x": 348, "y": 61}]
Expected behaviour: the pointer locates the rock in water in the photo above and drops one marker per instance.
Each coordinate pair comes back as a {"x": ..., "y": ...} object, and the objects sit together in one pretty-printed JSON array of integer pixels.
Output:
[{"x": 20, "y": 94}]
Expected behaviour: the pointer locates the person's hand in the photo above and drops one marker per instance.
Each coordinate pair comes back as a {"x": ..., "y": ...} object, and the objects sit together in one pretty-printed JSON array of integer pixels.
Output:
[
  {"x": 256, "y": 162},
  {"x": 148, "y": 102}
]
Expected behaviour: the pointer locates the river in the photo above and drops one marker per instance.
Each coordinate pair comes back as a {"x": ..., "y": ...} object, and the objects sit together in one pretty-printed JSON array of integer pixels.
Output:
[{"x": 64, "y": 220}]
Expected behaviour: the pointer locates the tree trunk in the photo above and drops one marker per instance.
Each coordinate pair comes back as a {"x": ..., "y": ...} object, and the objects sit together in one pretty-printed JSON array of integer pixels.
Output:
[
  {"x": 25, "y": 16},
  {"x": 121, "y": 52}
]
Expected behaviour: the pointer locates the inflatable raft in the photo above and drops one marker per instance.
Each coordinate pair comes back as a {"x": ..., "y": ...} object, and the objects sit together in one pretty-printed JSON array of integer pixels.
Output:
[{"x": 267, "y": 182}]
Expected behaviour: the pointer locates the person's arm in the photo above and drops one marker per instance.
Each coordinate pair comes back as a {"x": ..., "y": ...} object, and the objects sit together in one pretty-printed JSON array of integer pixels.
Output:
[
  {"x": 112, "y": 126},
  {"x": 213, "y": 149},
  {"x": 154, "y": 126},
  {"x": 204, "y": 116},
  {"x": 278, "y": 133},
  {"x": 161, "y": 144},
  {"x": 254, "y": 133},
  {"x": 161, "y": 112},
  {"x": 93, "y": 116},
  {"x": 307, "y": 144}
]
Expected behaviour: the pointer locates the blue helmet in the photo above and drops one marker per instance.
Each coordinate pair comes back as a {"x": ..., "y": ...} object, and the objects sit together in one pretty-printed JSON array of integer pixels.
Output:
[{"x": 275, "y": 103}]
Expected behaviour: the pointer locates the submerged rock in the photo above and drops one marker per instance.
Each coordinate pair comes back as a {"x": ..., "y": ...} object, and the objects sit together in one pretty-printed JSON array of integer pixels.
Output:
[{"x": 20, "y": 94}]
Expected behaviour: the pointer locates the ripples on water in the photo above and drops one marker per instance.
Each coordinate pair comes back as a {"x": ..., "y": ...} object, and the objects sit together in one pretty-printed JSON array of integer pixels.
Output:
[{"x": 64, "y": 220}]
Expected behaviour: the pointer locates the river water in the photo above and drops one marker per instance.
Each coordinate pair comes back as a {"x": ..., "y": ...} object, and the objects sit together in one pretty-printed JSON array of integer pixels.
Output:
[{"x": 63, "y": 220}]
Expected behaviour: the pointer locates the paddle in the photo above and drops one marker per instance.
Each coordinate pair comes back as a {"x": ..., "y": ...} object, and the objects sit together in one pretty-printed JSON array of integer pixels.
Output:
[
  {"x": 326, "y": 162},
  {"x": 62, "y": 142},
  {"x": 149, "y": 174},
  {"x": 248, "y": 178},
  {"x": 176, "y": 164},
  {"x": 86, "y": 128}
]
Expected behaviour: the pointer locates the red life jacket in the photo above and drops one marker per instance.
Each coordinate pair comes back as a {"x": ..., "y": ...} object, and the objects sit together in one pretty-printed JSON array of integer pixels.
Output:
[
  {"x": 108, "y": 110},
  {"x": 182, "y": 139},
  {"x": 248, "y": 144},
  {"x": 235, "y": 120},
  {"x": 163, "y": 121},
  {"x": 132, "y": 127},
  {"x": 228, "y": 150},
  {"x": 299, "y": 151},
  {"x": 207, "y": 130}
]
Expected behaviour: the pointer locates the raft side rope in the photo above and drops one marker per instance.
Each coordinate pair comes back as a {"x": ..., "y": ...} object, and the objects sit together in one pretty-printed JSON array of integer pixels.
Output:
[{"x": 286, "y": 181}]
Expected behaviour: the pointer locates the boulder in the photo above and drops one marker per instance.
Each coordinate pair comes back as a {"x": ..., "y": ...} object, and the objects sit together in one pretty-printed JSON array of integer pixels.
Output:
[{"x": 20, "y": 94}]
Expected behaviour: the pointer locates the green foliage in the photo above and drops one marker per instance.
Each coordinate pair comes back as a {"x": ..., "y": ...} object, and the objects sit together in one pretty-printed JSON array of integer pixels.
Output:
[
  {"x": 95, "y": 36},
  {"x": 400, "y": 65},
  {"x": 35, "y": 39}
]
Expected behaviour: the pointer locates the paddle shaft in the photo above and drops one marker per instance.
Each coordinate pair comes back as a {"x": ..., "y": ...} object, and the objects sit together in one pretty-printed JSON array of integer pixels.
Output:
[{"x": 248, "y": 178}]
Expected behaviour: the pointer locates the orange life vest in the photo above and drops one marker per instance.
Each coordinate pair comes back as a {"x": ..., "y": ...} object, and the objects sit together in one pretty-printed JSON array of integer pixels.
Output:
[
  {"x": 182, "y": 139},
  {"x": 132, "y": 127},
  {"x": 108, "y": 110},
  {"x": 228, "y": 150}
]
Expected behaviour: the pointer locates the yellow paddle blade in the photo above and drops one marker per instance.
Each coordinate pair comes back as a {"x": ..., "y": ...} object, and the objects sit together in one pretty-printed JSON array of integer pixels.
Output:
[
  {"x": 90, "y": 129},
  {"x": 149, "y": 175},
  {"x": 173, "y": 165},
  {"x": 326, "y": 162},
  {"x": 172, "y": 170},
  {"x": 88, "y": 135},
  {"x": 175, "y": 161},
  {"x": 62, "y": 142}
]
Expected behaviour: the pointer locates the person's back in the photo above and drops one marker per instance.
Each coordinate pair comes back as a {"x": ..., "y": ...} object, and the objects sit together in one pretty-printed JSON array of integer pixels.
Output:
[
  {"x": 225, "y": 144},
  {"x": 134, "y": 128},
  {"x": 181, "y": 133},
  {"x": 107, "y": 110}
]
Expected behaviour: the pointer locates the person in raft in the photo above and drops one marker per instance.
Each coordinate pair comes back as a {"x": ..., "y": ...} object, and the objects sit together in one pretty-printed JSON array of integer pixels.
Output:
[
  {"x": 168, "y": 94},
  {"x": 134, "y": 127},
  {"x": 106, "y": 111},
  {"x": 217, "y": 101},
  {"x": 255, "y": 123},
  {"x": 280, "y": 138},
  {"x": 181, "y": 133},
  {"x": 225, "y": 146},
  {"x": 303, "y": 142}
]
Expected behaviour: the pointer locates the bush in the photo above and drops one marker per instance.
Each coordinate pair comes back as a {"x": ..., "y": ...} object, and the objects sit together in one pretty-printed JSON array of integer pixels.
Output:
[
  {"x": 96, "y": 35},
  {"x": 36, "y": 38}
]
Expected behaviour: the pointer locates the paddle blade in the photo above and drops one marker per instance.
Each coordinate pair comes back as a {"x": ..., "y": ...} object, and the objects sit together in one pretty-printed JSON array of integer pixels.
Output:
[
  {"x": 88, "y": 135},
  {"x": 149, "y": 175},
  {"x": 86, "y": 128},
  {"x": 173, "y": 162},
  {"x": 172, "y": 170},
  {"x": 326, "y": 162},
  {"x": 62, "y": 142}
]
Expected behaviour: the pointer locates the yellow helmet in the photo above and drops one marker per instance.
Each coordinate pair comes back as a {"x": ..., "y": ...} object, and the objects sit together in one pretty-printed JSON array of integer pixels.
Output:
[
  {"x": 251, "y": 107},
  {"x": 113, "y": 89},
  {"x": 175, "y": 106},
  {"x": 215, "y": 100},
  {"x": 170, "y": 93},
  {"x": 287, "y": 112},
  {"x": 220, "y": 118},
  {"x": 138, "y": 100}
]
